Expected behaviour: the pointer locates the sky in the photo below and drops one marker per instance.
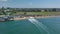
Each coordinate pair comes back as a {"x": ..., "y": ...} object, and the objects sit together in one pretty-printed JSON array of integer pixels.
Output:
[{"x": 30, "y": 3}]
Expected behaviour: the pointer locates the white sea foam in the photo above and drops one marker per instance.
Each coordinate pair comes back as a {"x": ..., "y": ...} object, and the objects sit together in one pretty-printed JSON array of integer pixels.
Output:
[{"x": 40, "y": 25}]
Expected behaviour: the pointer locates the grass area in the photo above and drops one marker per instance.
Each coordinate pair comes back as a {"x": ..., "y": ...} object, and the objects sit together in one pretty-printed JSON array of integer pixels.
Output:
[
  {"x": 40, "y": 13},
  {"x": 35, "y": 13}
]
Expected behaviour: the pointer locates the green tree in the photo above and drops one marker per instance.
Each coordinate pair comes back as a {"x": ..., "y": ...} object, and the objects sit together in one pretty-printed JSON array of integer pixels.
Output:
[
  {"x": 3, "y": 11},
  {"x": 25, "y": 13}
]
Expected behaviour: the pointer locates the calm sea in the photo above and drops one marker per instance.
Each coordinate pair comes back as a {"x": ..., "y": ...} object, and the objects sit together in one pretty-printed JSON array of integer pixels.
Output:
[{"x": 31, "y": 26}]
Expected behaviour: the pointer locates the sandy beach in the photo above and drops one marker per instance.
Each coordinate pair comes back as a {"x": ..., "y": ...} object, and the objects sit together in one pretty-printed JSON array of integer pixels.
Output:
[{"x": 34, "y": 17}]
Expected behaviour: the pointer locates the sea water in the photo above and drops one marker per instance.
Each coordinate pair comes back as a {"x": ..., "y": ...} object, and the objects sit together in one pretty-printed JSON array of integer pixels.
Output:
[{"x": 31, "y": 26}]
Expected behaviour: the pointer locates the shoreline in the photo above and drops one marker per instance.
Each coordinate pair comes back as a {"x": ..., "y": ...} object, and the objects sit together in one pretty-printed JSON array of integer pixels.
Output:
[{"x": 34, "y": 17}]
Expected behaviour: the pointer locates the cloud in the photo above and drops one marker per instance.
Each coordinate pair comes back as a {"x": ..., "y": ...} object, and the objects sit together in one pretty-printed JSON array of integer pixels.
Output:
[{"x": 4, "y": 0}]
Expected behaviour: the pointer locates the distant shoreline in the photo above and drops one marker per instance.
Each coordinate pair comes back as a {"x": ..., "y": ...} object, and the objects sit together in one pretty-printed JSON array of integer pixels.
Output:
[{"x": 34, "y": 17}]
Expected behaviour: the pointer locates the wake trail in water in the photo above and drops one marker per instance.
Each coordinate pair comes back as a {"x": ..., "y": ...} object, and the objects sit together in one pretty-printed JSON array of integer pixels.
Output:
[{"x": 40, "y": 25}]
